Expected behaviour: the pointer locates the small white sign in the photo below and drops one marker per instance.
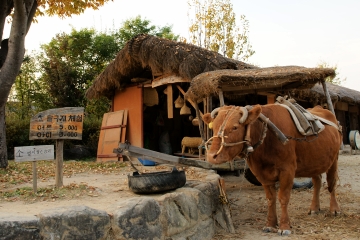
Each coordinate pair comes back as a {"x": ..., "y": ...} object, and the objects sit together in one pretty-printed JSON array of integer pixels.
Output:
[{"x": 34, "y": 153}]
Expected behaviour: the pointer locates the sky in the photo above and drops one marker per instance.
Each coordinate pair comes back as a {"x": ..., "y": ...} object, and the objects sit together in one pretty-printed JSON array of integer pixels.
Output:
[{"x": 282, "y": 32}]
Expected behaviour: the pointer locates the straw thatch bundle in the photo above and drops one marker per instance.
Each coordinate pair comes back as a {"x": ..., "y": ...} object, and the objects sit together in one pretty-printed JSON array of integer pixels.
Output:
[
  {"x": 286, "y": 77},
  {"x": 337, "y": 93},
  {"x": 149, "y": 56}
]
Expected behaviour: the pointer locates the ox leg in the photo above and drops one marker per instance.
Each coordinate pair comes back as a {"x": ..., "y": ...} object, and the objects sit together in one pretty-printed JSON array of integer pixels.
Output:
[
  {"x": 315, "y": 204},
  {"x": 286, "y": 183},
  {"x": 271, "y": 223},
  {"x": 331, "y": 177}
]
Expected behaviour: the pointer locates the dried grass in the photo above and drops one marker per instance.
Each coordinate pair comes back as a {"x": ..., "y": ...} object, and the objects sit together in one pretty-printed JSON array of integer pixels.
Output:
[{"x": 148, "y": 56}]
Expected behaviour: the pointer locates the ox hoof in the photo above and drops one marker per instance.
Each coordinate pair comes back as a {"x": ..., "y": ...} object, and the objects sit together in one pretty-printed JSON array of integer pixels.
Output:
[
  {"x": 269, "y": 230},
  {"x": 312, "y": 212},
  {"x": 284, "y": 232},
  {"x": 336, "y": 213}
]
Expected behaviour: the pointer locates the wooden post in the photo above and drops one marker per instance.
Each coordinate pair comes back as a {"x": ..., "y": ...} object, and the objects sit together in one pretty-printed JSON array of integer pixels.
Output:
[
  {"x": 201, "y": 123},
  {"x": 328, "y": 99},
  {"x": 205, "y": 109},
  {"x": 221, "y": 98},
  {"x": 225, "y": 205},
  {"x": 59, "y": 163},
  {"x": 34, "y": 176},
  {"x": 170, "y": 107}
]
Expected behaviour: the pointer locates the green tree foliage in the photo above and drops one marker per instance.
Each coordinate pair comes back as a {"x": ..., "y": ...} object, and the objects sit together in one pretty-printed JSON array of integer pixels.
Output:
[
  {"x": 214, "y": 27},
  {"x": 28, "y": 95},
  {"x": 335, "y": 80},
  {"x": 70, "y": 62},
  {"x": 134, "y": 26}
]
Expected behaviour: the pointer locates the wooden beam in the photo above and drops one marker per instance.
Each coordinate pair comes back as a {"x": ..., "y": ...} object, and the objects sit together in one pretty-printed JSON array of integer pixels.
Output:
[
  {"x": 170, "y": 106},
  {"x": 132, "y": 151},
  {"x": 167, "y": 79}
]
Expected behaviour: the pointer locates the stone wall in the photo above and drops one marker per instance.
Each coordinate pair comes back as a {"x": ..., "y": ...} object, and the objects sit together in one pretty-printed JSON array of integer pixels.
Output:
[{"x": 191, "y": 212}]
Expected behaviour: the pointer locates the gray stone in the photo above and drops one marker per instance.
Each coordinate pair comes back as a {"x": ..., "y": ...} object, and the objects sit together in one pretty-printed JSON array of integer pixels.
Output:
[
  {"x": 137, "y": 218},
  {"x": 75, "y": 222},
  {"x": 14, "y": 227},
  {"x": 203, "y": 230},
  {"x": 179, "y": 211}
]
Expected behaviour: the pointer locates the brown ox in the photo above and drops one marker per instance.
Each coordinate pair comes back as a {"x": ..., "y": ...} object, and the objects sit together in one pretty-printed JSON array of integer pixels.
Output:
[{"x": 272, "y": 161}]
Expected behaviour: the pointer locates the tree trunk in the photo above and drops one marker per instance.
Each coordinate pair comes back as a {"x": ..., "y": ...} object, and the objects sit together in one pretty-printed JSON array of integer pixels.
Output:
[
  {"x": 3, "y": 148},
  {"x": 23, "y": 14}
]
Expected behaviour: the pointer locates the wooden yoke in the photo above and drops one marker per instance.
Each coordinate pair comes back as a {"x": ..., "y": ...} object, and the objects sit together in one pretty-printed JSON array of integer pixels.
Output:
[{"x": 283, "y": 139}]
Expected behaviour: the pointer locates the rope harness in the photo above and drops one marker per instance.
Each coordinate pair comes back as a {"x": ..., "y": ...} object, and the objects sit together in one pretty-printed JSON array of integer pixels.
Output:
[{"x": 247, "y": 139}]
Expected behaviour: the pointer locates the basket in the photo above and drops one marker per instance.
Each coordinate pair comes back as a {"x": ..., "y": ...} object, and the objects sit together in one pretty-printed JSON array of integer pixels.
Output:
[
  {"x": 195, "y": 122},
  {"x": 185, "y": 110},
  {"x": 179, "y": 102}
]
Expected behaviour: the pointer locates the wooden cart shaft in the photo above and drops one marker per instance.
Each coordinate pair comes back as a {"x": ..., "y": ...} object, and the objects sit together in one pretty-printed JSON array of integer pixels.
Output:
[{"x": 137, "y": 152}]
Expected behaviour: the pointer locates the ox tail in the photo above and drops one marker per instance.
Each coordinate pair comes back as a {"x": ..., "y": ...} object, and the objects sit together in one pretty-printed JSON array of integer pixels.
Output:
[{"x": 332, "y": 175}]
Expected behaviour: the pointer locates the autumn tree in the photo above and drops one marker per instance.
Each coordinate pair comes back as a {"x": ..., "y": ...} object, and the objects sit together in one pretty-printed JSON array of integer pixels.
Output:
[
  {"x": 214, "y": 26},
  {"x": 12, "y": 51}
]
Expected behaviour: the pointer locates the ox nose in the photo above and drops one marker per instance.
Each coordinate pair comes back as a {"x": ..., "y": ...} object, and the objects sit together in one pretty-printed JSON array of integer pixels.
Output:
[{"x": 211, "y": 157}]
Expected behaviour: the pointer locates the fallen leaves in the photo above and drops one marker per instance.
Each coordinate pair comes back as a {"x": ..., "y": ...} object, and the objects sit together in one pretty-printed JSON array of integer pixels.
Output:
[{"x": 19, "y": 173}]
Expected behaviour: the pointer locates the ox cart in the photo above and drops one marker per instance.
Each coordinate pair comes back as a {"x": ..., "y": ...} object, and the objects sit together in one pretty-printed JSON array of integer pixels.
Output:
[
  {"x": 230, "y": 83},
  {"x": 145, "y": 182}
]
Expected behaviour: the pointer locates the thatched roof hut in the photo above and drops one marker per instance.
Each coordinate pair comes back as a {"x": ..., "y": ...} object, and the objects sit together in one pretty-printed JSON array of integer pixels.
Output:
[
  {"x": 337, "y": 93},
  {"x": 149, "y": 57},
  {"x": 237, "y": 82}
]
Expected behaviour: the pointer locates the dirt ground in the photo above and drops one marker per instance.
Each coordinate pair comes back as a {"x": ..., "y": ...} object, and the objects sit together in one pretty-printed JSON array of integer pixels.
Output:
[
  {"x": 248, "y": 203},
  {"x": 249, "y": 208}
]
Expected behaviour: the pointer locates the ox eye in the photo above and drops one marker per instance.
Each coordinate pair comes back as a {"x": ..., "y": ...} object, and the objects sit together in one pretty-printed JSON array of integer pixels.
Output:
[{"x": 234, "y": 128}]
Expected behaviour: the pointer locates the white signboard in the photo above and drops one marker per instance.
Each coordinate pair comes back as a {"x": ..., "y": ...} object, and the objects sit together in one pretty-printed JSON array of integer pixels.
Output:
[{"x": 34, "y": 153}]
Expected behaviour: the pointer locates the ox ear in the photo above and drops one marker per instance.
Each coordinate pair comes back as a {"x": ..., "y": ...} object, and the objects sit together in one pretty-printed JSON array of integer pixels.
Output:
[
  {"x": 254, "y": 113},
  {"x": 207, "y": 118}
]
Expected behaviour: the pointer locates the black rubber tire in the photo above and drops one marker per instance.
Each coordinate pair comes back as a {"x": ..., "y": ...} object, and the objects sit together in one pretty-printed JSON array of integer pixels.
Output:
[
  {"x": 298, "y": 182},
  {"x": 302, "y": 183},
  {"x": 156, "y": 182}
]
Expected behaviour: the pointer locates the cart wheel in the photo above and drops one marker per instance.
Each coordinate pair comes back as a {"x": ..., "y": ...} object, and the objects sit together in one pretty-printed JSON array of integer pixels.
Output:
[
  {"x": 302, "y": 183},
  {"x": 157, "y": 181},
  {"x": 251, "y": 177},
  {"x": 298, "y": 182}
]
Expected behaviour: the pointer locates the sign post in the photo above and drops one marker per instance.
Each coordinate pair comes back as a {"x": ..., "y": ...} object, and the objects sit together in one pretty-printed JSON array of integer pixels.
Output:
[
  {"x": 59, "y": 124},
  {"x": 33, "y": 154}
]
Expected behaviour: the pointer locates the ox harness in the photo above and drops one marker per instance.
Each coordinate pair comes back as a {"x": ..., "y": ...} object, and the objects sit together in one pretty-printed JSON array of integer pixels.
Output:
[
  {"x": 306, "y": 123},
  {"x": 247, "y": 139}
]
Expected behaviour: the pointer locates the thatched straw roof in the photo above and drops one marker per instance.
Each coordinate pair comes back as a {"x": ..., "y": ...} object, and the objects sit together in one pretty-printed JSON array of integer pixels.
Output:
[
  {"x": 262, "y": 79},
  {"x": 337, "y": 93},
  {"x": 147, "y": 56}
]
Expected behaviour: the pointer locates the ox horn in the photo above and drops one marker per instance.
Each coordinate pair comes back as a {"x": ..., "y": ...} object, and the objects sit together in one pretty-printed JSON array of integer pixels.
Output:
[
  {"x": 214, "y": 112},
  {"x": 244, "y": 116}
]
